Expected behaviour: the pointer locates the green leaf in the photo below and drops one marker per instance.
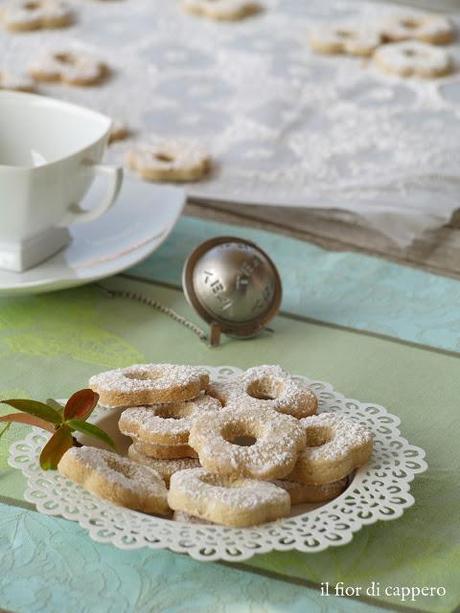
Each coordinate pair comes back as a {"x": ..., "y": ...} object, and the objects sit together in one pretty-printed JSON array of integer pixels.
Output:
[
  {"x": 91, "y": 430},
  {"x": 55, "y": 448},
  {"x": 81, "y": 404},
  {"x": 30, "y": 420},
  {"x": 35, "y": 408},
  {"x": 55, "y": 405}
]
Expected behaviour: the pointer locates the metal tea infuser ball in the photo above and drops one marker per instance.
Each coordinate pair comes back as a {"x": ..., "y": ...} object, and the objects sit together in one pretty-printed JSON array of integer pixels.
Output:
[{"x": 233, "y": 285}]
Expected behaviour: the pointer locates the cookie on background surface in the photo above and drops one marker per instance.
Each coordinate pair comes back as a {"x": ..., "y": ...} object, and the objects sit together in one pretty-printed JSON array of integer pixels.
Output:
[
  {"x": 169, "y": 160},
  {"x": 222, "y": 10},
  {"x": 27, "y": 15},
  {"x": 413, "y": 59},
  {"x": 69, "y": 67},
  {"x": 432, "y": 29},
  {"x": 345, "y": 39}
]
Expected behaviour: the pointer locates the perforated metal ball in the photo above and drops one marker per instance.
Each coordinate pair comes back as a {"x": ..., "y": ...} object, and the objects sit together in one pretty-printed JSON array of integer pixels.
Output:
[{"x": 233, "y": 283}]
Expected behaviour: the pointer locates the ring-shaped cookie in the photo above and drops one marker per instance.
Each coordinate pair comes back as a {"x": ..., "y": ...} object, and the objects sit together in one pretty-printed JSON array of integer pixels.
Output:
[
  {"x": 16, "y": 83},
  {"x": 336, "y": 446},
  {"x": 119, "y": 131},
  {"x": 26, "y": 15},
  {"x": 413, "y": 59},
  {"x": 432, "y": 29},
  {"x": 148, "y": 384},
  {"x": 165, "y": 468},
  {"x": 69, "y": 67},
  {"x": 120, "y": 480},
  {"x": 164, "y": 452},
  {"x": 248, "y": 442},
  {"x": 223, "y": 500},
  {"x": 186, "y": 518},
  {"x": 222, "y": 10},
  {"x": 348, "y": 39},
  {"x": 301, "y": 493},
  {"x": 169, "y": 160},
  {"x": 267, "y": 386},
  {"x": 165, "y": 424}
]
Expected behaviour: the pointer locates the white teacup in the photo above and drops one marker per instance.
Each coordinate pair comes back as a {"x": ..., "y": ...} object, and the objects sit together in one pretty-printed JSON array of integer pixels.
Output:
[{"x": 49, "y": 155}]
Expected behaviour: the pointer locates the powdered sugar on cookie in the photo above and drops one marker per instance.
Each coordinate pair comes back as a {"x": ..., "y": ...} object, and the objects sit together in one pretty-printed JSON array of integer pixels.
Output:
[
  {"x": 335, "y": 447},
  {"x": 301, "y": 493},
  {"x": 267, "y": 386},
  {"x": 24, "y": 15},
  {"x": 413, "y": 59},
  {"x": 222, "y": 10},
  {"x": 69, "y": 67},
  {"x": 433, "y": 29},
  {"x": 345, "y": 38},
  {"x": 115, "y": 478},
  {"x": 148, "y": 384},
  {"x": 252, "y": 442},
  {"x": 19, "y": 83},
  {"x": 233, "y": 502},
  {"x": 165, "y": 468},
  {"x": 165, "y": 424},
  {"x": 169, "y": 160}
]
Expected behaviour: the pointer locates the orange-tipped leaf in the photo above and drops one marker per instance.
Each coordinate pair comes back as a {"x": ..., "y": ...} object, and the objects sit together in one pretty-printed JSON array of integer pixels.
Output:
[
  {"x": 81, "y": 404},
  {"x": 30, "y": 420},
  {"x": 55, "y": 448}
]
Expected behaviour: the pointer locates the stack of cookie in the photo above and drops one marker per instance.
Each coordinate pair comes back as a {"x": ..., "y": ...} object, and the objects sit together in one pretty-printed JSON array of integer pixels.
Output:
[
  {"x": 237, "y": 453},
  {"x": 404, "y": 44}
]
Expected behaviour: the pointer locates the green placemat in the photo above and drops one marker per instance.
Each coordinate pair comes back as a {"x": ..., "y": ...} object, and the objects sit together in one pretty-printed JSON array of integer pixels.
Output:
[{"x": 50, "y": 345}]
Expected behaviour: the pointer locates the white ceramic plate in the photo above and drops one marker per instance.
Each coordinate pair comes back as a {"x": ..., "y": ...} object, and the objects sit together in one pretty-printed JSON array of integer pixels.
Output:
[
  {"x": 135, "y": 226},
  {"x": 377, "y": 491}
]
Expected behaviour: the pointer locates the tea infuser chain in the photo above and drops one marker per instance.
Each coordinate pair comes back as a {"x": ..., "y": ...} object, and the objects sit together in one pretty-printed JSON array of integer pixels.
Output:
[{"x": 154, "y": 304}]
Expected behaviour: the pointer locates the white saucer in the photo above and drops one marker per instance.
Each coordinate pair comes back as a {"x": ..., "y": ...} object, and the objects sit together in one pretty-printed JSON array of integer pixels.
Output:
[{"x": 135, "y": 226}]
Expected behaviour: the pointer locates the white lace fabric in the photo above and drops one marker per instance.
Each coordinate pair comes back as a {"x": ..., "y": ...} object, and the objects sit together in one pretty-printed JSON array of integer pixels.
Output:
[
  {"x": 286, "y": 126},
  {"x": 378, "y": 491}
]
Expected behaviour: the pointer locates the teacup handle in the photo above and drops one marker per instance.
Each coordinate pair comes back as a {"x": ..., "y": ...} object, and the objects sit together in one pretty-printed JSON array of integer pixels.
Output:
[{"x": 114, "y": 175}]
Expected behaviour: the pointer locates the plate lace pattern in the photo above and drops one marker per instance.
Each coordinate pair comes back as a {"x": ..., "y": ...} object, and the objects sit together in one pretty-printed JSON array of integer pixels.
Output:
[{"x": 378, "y": 491}]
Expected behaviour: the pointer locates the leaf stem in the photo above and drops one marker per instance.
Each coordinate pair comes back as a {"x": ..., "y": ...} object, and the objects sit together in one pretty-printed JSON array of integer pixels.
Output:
[{"x": 5, "y": 429}]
